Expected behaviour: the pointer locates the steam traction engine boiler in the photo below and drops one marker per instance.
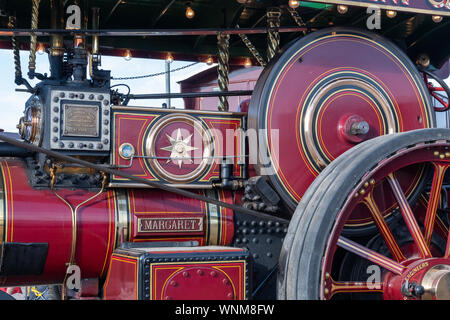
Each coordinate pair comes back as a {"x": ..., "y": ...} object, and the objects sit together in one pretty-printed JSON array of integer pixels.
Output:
[{"x": 330, "y": 184}]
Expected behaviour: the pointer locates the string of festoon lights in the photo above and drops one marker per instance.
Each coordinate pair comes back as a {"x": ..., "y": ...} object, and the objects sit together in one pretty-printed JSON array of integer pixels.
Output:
[{"x": 343, "y": 9}]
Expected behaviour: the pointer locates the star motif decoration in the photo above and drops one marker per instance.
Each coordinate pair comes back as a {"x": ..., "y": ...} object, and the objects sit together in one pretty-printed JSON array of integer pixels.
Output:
[{"x": 179, "y": 149}]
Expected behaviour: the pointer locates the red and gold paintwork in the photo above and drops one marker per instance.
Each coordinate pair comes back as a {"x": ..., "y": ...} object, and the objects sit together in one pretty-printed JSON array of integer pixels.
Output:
[
  {"x": 416, "y": 260},
  {"x": 148, "y": 130},
  {"x": 142, "y": 274},
  {"x": 346, "y": 74},
  {"x": 38, "y": 216}
]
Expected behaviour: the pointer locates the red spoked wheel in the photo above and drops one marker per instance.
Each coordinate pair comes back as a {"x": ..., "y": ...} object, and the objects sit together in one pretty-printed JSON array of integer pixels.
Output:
[
  {"x": 406, "y": 258},
  {"x": 440, "y": 93}
]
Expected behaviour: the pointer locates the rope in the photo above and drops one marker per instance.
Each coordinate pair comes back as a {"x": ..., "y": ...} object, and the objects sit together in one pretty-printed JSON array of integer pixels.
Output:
[
  {"x": 223, "y": 68},
  {"x": 15, "y": 47},
  {"x": 155, "y": 74},
  {"x": 33, "y": 38}
]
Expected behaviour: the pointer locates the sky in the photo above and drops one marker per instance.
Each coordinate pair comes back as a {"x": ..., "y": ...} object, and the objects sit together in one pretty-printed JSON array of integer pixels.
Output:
[{"x": 12, "y": 103}]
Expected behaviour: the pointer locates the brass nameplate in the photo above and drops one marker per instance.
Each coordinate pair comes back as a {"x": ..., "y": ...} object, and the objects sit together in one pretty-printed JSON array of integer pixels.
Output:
[
  {"x": 169, "y": 225},
  {"x": 81, "y": 120}
]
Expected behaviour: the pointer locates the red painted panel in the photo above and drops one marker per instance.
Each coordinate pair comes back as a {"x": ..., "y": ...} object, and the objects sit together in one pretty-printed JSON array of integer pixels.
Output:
[{"x": 122, "y": 280}]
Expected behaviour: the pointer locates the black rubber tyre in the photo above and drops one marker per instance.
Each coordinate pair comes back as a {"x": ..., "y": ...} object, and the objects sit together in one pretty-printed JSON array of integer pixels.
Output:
[{"x": 309, "y": 230}]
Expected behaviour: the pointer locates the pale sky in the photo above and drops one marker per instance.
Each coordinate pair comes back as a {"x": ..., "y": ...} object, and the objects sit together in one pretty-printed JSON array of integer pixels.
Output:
[{"x": 12, "y": 103}]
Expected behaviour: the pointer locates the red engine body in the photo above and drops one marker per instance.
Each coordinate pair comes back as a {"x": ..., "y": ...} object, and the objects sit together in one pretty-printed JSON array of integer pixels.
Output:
[{"x": 39, "y": 216}]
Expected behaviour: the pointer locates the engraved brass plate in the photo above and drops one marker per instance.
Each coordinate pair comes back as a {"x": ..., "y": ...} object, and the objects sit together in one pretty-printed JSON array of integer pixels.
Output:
[
  {"x": 81, "y": 120},
  {"x": 169, "y": 225}
]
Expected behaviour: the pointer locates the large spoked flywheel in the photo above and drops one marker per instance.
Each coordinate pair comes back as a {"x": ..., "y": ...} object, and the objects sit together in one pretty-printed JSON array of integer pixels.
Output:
[
  {"x": 405, "y": 259},
  {"x": 326, "y": 93}
]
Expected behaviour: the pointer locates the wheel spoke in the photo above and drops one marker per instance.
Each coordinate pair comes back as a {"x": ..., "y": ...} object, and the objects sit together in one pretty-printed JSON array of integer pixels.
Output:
[
  {"x": 354, "y": 287},
  {"x": 433, "y": 201},
  {"x": 409, "y": 218},
  {"x": 440, "y": 100},
  {"x": 370, "y": 255},
  {"x": 384, "y": 228}
]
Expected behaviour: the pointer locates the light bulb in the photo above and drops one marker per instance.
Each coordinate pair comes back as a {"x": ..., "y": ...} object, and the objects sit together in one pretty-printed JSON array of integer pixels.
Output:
[
  {"x": 128, "y": 55},
  {"x": 248, "y": 63},
  {"x": 294, "y": 3},
  {"x": 391, "y": 13},
  {"x": 209, "y": 61},
  {"x": 342, "y": 9},
  {"x": 169, "y": 58},
  {"x": 41, "y": 49},
  {"x": 437, "y": 19},
  {"x": 189, "y": 12}
]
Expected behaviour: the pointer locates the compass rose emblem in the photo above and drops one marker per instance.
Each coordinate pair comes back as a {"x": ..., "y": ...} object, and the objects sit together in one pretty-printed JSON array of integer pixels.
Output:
[{"x": 179, "y": 149}]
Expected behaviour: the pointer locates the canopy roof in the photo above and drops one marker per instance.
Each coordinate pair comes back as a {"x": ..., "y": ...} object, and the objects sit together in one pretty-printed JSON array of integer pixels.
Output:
[{"x": 413, "y": 29}]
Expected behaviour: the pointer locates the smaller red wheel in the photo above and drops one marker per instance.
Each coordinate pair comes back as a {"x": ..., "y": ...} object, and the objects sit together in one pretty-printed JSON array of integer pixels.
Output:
[{"x": 440, "y": 93}]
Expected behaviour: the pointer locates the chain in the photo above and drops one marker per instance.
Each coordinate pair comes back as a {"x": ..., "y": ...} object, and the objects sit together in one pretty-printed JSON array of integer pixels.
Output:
[
  {"x": 252, "y": 49},
  {"x": 273, "y": 36},
  {"x": 298, "y": 20},
  {"x": 155, "y": 74}
]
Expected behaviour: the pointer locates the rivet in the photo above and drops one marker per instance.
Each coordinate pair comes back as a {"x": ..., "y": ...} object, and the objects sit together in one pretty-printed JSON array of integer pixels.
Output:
[
  {"x": 173, "y": 283},
  {"x": 356, "y": 195},
  {"x": 225, "y": 281},
  {"x": 362, "y": 191},
  {"x": 230, "y": 295},
  {"x": 199, "y": 272},
  {"x": 372, "y": 181},
  {"x": 326, "y": 291},
  {"x": 327, "y": 276},
  {"x": 366, "y": 185},
  {"x": 213, "y": 274},
  {"x": 167, "y": 298},
  {"x": 186, "y": 274}
]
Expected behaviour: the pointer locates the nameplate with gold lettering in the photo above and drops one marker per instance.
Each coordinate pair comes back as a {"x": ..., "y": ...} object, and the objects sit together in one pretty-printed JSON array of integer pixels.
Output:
[{"x": 170, "y": 225}]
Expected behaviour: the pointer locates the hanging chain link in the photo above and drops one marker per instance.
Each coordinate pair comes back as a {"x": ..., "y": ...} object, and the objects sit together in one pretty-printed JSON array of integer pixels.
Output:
[
  {"x": 155, "y": 74},
  {"x": 273, "y": 36},
  {"x": 298, "y": 20}
]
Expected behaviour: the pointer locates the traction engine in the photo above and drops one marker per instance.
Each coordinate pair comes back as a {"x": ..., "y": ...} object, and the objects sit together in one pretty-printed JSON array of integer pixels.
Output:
[{"x": 330, "y": 183}]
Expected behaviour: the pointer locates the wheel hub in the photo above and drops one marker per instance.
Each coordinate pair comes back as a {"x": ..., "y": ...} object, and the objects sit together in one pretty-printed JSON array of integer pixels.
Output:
[
  {"x": 436, "y": 283},
  {"x": 423, "y": 279}
]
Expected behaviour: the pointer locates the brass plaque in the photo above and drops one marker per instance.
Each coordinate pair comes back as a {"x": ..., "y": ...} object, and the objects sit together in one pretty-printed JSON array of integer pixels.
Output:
[
  {"x": 81, "y": 120},
  {"x": 168, "y": 225}
]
